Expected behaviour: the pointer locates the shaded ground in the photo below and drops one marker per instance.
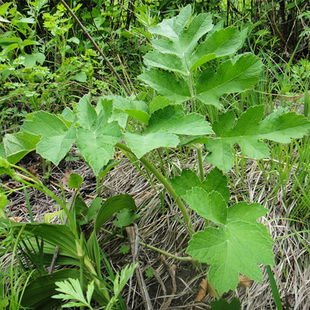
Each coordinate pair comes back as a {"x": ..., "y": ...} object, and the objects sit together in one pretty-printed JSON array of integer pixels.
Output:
[{"x": 160, "y": 226}]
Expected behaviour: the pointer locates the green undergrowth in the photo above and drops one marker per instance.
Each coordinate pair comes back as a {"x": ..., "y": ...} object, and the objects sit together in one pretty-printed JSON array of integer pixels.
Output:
[{"x": 194, "y": 96}]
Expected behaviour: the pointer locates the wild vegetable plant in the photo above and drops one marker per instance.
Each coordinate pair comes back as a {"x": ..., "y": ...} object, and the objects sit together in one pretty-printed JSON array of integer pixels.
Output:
[{"x": 193, "y": 65}]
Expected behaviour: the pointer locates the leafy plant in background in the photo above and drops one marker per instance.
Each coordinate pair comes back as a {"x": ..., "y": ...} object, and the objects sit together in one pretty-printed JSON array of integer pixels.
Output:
[{"x": 193, "y": 64}]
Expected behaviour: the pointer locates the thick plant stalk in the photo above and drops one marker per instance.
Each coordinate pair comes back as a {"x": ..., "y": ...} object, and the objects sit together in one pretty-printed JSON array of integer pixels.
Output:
[
  {"x": 96, "y": 46},
  {"x": 160, "y": 177}
]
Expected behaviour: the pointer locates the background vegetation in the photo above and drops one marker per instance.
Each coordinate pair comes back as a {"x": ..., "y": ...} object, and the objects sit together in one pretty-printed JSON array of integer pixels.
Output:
[{"x": 48, "y": 63}]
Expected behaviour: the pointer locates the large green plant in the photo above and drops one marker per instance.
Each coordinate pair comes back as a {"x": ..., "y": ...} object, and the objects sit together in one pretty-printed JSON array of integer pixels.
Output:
[{"x": 192, "y": 62}]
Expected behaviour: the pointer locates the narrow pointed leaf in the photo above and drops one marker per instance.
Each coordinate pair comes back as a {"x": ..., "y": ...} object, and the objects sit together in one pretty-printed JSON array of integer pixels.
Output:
[
  {"x": 38, "y": 294},
  {"x": 111, "y": 206}
]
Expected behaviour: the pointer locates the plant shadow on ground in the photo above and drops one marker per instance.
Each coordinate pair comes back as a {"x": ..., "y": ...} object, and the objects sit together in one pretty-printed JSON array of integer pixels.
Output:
[{"x": 166, "y": 231}]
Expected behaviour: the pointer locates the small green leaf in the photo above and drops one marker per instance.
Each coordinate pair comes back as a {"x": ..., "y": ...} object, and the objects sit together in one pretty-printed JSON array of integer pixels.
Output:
[
  {"x": 3, "y": 201},
  {"x": 149, "y": 273},
  {"x": 124, "y": 249},
  {"x": 137, "y": 109},
  {"x": 125, "y": 218},
  {"x": 223, "y": 304},
  {"x": 159, "y": 102},
  {"x": 80, "y": 77},
  {"x": 75, "y": 181}
]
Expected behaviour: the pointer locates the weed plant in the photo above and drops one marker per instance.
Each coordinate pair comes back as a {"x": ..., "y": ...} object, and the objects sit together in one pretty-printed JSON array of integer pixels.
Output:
[{"x": 196, "y": 74}]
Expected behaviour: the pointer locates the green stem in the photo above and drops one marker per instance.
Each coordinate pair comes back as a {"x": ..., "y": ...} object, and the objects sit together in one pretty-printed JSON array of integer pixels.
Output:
[
  {"x": 35, "y": 183},
  {"x": 160, "y": 177},
  {"x": 200, "y": 163},
  {"x": 186, "y": 258}
]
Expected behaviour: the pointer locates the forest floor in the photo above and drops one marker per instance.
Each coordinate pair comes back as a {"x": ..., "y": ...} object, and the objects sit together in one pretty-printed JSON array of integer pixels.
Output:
[{"x": 174, "y": 284}]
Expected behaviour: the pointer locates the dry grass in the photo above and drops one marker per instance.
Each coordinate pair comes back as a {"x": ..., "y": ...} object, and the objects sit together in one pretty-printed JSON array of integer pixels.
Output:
[{"x": 161, "y": 226}]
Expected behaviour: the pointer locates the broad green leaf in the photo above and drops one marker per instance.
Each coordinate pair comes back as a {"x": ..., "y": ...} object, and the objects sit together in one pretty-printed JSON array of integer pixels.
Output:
[
  {"x": 231, "y": 77},
  {"x": 97, "y": 146},
  {"x": 80, "y": 77},
  {"x": 185, "y": 182},
  {"x": 140, "y": 144},
  {"x": 165, "y": 61},
  {"x": 238, "y": 245},
  {"x": 57, "y": 138},
  {"x": 221, "y": 154},
  {"x": 214, "y": 181},
  {"x": 221, "y": 43},
  {"x": 167, "y": 85},
  {"x": 3, "y": 201},
  {"x": 58, "y": 235},
  {"x": 137, "y": 109},
  {"x": 159, "y": 102},
  {"x": 202, "y": 60},
  {"x": 111, "y": 206},
  {"x": 211, "y": 206},
  {"x": 38, "y": 294},
  {"x": 172, "y": 119},
  {"x": 86, "y": 113},
  {"x": 19, "y": 144},
  {"x": 183, "y": 39},
  {"x": 248, "y": 132}
]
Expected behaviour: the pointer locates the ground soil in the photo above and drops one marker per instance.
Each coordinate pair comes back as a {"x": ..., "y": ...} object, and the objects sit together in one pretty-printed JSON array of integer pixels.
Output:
[{"x": 160, "y": 225}]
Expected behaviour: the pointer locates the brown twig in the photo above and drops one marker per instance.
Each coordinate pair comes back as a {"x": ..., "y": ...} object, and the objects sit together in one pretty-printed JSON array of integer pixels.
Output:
[
  {"x": 96, "y": 46},
  {"x": 133, "y": 237}
]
